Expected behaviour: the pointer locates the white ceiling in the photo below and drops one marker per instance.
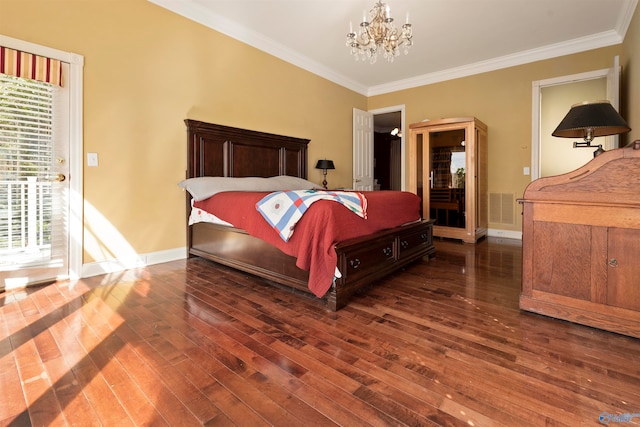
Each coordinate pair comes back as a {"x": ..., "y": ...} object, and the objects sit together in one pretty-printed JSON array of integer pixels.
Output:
[{"x": 452, "y": 38}]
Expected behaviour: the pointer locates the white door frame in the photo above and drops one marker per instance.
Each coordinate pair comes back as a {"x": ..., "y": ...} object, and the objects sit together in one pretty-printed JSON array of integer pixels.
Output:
[
  {"x": 405, "y": 132},
  {"x": 612, "y": 76},
  {"x": 74, "y": 81}
]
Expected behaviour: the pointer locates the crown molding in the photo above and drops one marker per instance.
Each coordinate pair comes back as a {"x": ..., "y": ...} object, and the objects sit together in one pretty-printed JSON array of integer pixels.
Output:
[
  {"x": 626, "y": 15},
  {"x": 582, "y": 44},
  {"x": 195, "y": 12}
]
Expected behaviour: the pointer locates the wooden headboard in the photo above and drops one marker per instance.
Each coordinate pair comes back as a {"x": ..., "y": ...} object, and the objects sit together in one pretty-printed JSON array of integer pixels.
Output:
[{"x": 216, "y": 150}]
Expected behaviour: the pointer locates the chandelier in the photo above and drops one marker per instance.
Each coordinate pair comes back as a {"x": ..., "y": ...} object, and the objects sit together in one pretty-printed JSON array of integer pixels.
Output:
[{"x": 379, "y": 35}]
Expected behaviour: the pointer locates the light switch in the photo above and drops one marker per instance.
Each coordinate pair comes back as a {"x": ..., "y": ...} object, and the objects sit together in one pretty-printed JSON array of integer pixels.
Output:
[
  {"x": 92, "y": 159},
  {"x": 526, "y": 170}
]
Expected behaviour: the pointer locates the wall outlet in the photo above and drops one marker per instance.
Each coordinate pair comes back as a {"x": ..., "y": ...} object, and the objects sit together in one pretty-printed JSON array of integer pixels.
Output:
[{"x": 92, "y": 159}]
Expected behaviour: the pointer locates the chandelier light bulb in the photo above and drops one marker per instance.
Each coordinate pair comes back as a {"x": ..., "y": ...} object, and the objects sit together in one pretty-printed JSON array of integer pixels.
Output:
[{"x": 379, "y": 36}]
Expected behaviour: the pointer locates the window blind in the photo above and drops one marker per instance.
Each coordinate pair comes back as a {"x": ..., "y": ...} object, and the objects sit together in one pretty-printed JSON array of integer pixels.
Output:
[{"x": 30, "y": 204}]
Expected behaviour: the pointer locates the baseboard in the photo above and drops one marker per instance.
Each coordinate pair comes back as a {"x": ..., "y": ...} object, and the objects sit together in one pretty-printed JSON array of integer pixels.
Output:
[
  {"x": 140, "y": 260},
  {"x": 143, "y": 260},
  {"x": 505, "y": 234}
]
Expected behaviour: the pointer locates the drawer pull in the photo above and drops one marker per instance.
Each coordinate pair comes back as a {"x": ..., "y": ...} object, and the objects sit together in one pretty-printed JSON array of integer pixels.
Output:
[
  {"x": 404, "y": 244},
  {"x": 387, "y": 251},
  {"x": 613, "y": 262},
  {"x": 423, "y": 236},
  {"x": 355, "y": 263}
]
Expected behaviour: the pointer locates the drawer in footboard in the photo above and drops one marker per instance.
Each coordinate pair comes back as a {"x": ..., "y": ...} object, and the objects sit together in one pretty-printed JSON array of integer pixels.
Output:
[
  {"x": 358, "y": 262},
  {"x": 415, "y": 240}
]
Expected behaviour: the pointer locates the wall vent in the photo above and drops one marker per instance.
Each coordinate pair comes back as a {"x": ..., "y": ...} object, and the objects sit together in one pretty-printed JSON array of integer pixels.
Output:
[{"x": 502, "y": 208}]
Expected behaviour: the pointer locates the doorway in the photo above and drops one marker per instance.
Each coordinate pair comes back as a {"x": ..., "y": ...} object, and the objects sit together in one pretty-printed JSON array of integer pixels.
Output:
[
  {"x": 34, "y": 189},
  {"x": 388, "y": 139},
  {"x": 557, "y": 155},
  {"x": 610, "y": 78},
  {"x": 44, "y": 248}
]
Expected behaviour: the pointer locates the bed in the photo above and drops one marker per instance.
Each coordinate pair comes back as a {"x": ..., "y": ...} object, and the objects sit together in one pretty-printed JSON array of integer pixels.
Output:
[{"x": 222, "y": 151}]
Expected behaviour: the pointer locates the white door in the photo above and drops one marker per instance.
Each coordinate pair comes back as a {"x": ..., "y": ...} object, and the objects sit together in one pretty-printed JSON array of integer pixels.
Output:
[
  {"x": 34, "y": 182},
  {"x": 362, "y": 150}
]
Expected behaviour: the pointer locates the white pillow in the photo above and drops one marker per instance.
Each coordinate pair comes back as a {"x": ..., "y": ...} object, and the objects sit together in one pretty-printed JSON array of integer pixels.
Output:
[
  {"x": 286, "y": 182},
  {"x": 206, "y": 186}
]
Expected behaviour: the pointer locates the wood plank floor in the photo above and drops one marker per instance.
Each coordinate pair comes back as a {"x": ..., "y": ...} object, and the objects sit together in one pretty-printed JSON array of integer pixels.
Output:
[{"x": 442, "y": 343}]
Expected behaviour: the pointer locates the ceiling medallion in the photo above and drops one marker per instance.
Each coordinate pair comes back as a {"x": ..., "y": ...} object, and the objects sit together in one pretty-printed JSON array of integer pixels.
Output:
[{"x": 379, "y": 35}]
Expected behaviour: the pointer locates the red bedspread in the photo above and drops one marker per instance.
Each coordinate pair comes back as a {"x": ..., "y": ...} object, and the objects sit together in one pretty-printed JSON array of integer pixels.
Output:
[{"x": 323, "y": 225}]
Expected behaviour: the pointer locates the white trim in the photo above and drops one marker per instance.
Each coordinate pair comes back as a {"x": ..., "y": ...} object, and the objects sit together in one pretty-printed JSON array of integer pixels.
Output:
[
  {"x": 37, "y": 49},
  {"x": 140, "y": 260},
  {"x": 405, "y": 132},
  {"x": 624, "y": 19},
  {"x": 579, "y": 77},
  {"x": 75, "y": 86},
  {"x": 202, "y": 15},
  {"x": 536, "y": 91},
  {"x": 608, "y": 38},
  {"x": 506, "y": 234},
  {"x": 76, "y": 147}
]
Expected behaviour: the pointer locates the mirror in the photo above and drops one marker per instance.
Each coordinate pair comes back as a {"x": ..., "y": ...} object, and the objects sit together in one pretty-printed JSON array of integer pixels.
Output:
[{"x": 448, "y": 177}]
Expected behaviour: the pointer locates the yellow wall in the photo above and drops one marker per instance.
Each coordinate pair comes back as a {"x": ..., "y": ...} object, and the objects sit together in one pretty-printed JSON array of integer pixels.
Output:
[
  {"x": 146, "y": 70},
  {"x": 502, "y": 100}
]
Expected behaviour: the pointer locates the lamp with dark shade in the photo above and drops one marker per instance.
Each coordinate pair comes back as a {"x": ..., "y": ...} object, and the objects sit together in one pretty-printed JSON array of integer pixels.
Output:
[
  {"x": 324, "y": 165},
  {"x": 588, "y": 120}
]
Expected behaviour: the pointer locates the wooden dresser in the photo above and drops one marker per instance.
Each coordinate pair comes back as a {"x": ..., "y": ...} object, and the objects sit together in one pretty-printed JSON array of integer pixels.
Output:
[{"x": 581, "y": 244}]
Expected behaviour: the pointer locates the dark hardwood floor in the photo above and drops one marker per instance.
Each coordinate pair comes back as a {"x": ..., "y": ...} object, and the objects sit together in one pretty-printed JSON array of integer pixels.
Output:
[{"x": 191, "y": 343}]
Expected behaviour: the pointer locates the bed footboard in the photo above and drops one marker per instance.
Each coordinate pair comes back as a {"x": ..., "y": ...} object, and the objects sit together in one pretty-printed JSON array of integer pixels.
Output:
[{"x": 362, "y": 261}]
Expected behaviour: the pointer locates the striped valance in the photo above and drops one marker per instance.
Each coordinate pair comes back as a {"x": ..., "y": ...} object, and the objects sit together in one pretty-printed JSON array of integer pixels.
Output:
[{"x": 29, "y": 66}]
